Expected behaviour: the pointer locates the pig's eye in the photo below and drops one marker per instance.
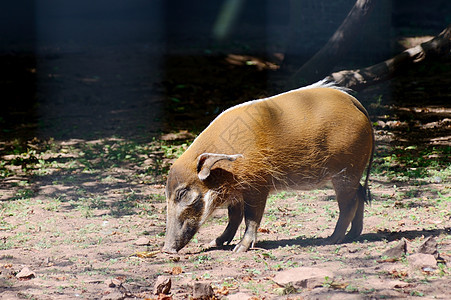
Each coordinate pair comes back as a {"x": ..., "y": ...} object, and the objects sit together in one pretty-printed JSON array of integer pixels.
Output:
[{"x": 180, "y": 194}]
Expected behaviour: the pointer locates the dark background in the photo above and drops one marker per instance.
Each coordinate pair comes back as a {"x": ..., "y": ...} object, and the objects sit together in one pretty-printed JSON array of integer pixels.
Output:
[{"x": 134, "y": 69}]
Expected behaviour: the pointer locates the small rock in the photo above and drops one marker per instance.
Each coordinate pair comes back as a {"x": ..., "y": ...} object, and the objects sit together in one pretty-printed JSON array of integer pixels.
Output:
[
  {"x": 421, "y": 260},
  {"x": 303, "y": 277},
  {"x": 26, "y": 273},
  {"x": 202, "y": 290},
  {"x": 115, "y": 295},
  {"x": 162, "y": 285},
  {"x": 142, "y": 241},
  {"x": 429, "y": 247},
  {"x": 114, "y": 283},
  {"x": 397, "y": 251}
]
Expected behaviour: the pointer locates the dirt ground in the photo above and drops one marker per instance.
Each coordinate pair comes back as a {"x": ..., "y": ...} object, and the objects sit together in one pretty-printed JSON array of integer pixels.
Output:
[
  {"x": 87, "y": 218},
  {"x": 82, "y": 214},
  {"x": 89, "y": 228}
]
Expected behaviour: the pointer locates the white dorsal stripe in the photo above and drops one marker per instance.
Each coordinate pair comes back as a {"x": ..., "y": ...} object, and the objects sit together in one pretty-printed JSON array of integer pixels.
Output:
[{"x": 325, "y": 83}]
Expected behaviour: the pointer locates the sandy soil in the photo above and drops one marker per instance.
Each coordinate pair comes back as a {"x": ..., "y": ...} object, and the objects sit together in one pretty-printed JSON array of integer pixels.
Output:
[
  {"x": 97, "y": 235},
  {"x": 86, "y": 219}
]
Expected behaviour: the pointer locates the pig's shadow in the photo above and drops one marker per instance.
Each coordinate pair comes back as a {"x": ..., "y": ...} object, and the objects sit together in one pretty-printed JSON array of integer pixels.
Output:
[{"x": 368, "y": 237}]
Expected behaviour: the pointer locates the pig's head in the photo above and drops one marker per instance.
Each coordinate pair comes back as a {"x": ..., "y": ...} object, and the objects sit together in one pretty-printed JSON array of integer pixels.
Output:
[{"x": 192, "y": 194}]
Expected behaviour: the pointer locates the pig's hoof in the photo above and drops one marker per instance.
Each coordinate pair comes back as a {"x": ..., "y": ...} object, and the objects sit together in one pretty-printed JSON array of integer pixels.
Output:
[
  {"x": 240, "y": 248},
  {"x": 331, "y": 241},
  {"x": 351, "y": 237},
  {"x": 213, "y": 244},
  {"x": 169, "y": 250}
]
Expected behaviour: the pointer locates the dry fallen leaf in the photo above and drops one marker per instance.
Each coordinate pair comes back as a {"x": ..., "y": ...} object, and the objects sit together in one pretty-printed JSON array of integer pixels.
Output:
[
  {"x": 427, "y": 271},
  {"x": 398, "y": 274},
  {"x": 280, "y": 223},
  {"x": 162, "y": 285},
  {"x": 387, "y": 260},
  {"x": 338, "y": 286},
  {"x": 176, "y": 271},
  {"x": 263, "y": 230},
  {"x": 146, "y": 254},
  {"x": 222, "y": 291},
  {"x": 61, "y": 278}
]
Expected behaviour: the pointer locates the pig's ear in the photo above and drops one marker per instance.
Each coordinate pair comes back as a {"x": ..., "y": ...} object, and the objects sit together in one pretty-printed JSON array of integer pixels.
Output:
[{"x": 206, "y": 161}]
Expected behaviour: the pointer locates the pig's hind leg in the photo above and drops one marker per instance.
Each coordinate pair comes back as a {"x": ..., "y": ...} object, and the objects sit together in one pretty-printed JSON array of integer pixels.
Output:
[
  {"x": 349, "y": 206},
  {"x": 357, "y": 222},
  {"x": 236, "y": 211}
]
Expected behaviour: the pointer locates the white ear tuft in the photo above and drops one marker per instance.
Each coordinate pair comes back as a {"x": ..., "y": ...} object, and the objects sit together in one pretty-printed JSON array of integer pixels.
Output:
[{"x": 206, "y": 161}]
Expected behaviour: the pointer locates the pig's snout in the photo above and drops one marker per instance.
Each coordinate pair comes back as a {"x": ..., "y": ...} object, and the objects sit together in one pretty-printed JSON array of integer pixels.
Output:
[
  {"x": 173, "y": 242},
  {"x": 170, "y": 244}
]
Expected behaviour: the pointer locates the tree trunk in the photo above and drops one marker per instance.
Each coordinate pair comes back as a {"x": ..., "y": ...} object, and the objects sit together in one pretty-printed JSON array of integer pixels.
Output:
[
  {"x": 360, "y": 78},
  {"x": 325, "y": 59}
]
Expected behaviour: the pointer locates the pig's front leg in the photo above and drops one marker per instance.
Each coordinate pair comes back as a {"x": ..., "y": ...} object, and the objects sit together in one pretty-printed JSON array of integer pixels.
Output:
[
  {"x": 235, "y": 217},
  {"x": 254, "y": 206}
]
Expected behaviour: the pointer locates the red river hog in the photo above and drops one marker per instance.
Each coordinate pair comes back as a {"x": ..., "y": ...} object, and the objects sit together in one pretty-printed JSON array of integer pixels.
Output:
[{"x": 300, "y": 139}]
